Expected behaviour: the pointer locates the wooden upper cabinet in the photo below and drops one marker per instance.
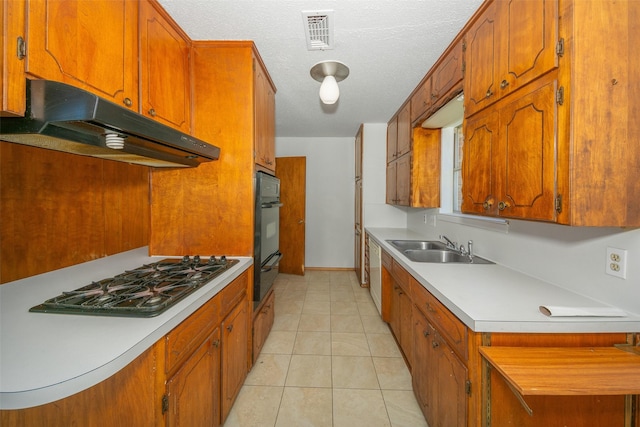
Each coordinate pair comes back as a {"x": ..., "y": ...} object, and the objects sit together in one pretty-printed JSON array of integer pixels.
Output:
[
  {"x": 447, "y": 76},
  {"x": 413, "y": 179},
  {"x": 403, "y": 145},
  {"x": 421, "y": 99},
  {"x": 265, "y": 104},
  {"x": 392, "y": 139},
  {"x": 165, "y": 88},
  {"x": 85, "y": 43},
  {"x": 478, "y": 175},
  {"x": 441, "y": 84},
  {"x": 513, "y": 167},
  {"x": 12, "y": 62},
  {"x": 510, "y": 44}
]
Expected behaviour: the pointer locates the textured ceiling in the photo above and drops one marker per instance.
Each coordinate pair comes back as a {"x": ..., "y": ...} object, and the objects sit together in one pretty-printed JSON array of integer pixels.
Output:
[{"x": 388, "y": 46}]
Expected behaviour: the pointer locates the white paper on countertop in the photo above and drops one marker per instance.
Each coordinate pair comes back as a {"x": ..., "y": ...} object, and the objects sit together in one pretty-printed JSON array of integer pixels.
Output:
[{"x": 566, "y": 311}]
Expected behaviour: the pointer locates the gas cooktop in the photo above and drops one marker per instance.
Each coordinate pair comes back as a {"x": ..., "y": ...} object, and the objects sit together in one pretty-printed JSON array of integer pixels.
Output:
[{"x": 146, "y": 291}]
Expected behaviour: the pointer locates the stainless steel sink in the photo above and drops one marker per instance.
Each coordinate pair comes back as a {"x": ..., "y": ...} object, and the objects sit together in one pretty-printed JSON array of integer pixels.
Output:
[
  {"x": 434, "y": 251},
  {"x": 443, "y": 256},
  {"x": 424, "y": 245}
]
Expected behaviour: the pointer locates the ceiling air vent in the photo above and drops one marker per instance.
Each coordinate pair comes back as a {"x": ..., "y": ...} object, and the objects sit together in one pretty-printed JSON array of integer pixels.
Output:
[{"x": 318, "y": 27}]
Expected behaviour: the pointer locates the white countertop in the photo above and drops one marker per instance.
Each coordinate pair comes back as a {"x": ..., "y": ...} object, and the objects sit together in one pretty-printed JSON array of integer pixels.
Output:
[
  {"x": 494, "y": 298},
  {"x": 45, "y": 357}
]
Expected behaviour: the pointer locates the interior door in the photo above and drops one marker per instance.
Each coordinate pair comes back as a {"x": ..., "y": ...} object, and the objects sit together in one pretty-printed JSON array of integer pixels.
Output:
[{"x": 292, "y": 172}]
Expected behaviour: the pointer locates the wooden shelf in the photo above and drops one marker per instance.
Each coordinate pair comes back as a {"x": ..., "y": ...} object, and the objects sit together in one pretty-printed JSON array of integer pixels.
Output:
[{"x": 567, "y": 370}]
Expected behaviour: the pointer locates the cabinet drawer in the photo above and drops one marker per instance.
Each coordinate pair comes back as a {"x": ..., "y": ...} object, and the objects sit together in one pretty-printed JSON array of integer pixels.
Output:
[
  {"x": 386, "y": 260},
  {"x": 186, "y": 337},
  {"x": 233, "y": 293},
  {"x": 402, "y": 277},
  {"x": 448, "y": 325}
]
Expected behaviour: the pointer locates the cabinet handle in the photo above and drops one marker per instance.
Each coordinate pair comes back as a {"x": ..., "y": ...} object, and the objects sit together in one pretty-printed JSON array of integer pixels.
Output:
[
  {"x": 489, "y": 93},
  {"x": 152, "y": 112},
  {"x": 216, "y": 343},
  {"x": 434, "y": 96},
  {"x": 504, "y": 84},
  {"x": 435, "y": 344},
  {"x": 127, "y": 102},
  {"x": 487, "y": 204},
  {"x": 503, "y": 205},
  {"x": 230, "y": 328},
  {"x": 425, "y": 333}
]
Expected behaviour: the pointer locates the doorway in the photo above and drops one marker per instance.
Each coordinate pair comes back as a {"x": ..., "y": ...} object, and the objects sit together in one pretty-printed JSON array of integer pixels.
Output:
[{"x": 292, "y": 172}]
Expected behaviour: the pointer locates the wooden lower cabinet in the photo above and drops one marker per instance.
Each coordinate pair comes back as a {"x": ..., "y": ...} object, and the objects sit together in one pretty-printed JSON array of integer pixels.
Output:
[
  {"x": 125, "y": 399},
  {"x": 440, "y": 379},
  {"x": 263, "y": 319},
  {"x": 504, "y": 409},
  {"x": 191, "y": 391},
  {"x": 456, "y": 387},
  {"x": 188, "y": 378},
  {"x": 235, "y": 355},
  {"x": 396, "y": 306}
]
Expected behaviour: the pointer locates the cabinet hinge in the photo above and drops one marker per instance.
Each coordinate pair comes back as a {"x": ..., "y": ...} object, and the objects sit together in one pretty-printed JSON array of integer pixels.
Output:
[
  {"x": 464, "y": 67},
  {"x": 21, "y": 50},
  {"x": 560, "y": 47},
  {"x": 558, "y": 203},
  {"x": 560, "y": 96},
  {"x": 165, "y": 403},
  {"x": 464, "y": 45},
  {"x": 467, "y": 387}
]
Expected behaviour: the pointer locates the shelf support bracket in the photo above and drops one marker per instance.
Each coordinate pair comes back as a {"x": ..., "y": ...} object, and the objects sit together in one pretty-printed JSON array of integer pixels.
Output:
[{"x": 520, "y": 399}]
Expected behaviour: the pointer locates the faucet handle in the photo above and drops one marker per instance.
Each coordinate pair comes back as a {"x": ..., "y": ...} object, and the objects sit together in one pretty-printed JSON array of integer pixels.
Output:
[{"x": 470, "y": 247}]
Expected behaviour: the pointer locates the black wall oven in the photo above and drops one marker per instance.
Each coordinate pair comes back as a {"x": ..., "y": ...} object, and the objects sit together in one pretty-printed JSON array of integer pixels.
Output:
[{"x": 267, "y": 235}]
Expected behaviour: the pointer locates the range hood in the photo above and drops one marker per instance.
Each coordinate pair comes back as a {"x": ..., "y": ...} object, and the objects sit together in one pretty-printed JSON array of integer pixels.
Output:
[{"x": 64, "y": 118}]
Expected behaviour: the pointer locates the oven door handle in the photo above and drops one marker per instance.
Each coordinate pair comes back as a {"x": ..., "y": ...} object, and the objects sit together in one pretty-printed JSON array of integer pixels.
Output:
[
  {"x": 267, "y": 269},
  {"x": 271, "y": 205}
]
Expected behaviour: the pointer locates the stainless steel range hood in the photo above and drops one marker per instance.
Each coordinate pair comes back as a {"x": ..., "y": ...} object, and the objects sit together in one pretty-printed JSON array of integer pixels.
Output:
[{"x": 64, "y": 118}]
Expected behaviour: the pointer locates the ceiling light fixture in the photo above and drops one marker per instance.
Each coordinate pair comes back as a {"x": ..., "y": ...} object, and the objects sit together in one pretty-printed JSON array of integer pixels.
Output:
[{"x": 329, "y": 73}]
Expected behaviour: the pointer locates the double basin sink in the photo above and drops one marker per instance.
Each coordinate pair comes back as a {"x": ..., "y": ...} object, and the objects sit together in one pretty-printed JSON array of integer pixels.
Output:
[{"x": 435, "y": 252}]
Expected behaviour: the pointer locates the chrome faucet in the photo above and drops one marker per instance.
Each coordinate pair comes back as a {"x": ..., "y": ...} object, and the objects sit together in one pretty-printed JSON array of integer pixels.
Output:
[
  {"x": 448, "y": 242},
  {"x": 468, "y": 251}
]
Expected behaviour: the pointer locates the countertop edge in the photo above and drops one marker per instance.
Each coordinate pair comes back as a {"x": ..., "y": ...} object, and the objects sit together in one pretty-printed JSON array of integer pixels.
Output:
[{"x": 61, "y": 390}]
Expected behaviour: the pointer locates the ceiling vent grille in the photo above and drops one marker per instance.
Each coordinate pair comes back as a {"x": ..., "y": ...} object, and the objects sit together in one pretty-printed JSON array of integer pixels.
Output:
[{"x": 318, "y": 29}]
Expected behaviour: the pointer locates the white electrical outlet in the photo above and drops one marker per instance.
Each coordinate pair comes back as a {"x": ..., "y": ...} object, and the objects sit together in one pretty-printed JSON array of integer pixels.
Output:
[{"x": 616, "y": 262}]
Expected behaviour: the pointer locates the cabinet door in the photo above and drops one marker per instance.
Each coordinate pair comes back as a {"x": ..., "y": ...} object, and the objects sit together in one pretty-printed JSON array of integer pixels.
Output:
[
  {"x": 264, "y": 119},
  {"x": 392, "y": 171},
  {"x": 451, "y": 397},
  {"x": 406, "y": 330},
  {"x": 422, "y": 383},
  {"x": 478, "y": 176},
  {"x": 481, "y": 65},
  {"x": 404, "y": 131},
  {"x": 421, "y": 100},
  {"x": 403, "y": 181},
  {"x": 528, "y": 37},
  {"x": 12, "y": 84},
  {"x": 425, "y": 168},
  {"x": 164, "y": 69},
  {"x": 447, "y": 75},
  {"x": 235, "y": 339},
  {"x": 262, "y": 324},
  {"x": 525, "y": 172},
  {"x": 89, "y": 44},
  {"x": 192, "y": 390},
  {"x": 392, "y": 139}
]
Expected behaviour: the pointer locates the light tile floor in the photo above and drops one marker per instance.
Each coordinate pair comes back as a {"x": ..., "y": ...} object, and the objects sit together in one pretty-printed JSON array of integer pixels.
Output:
[{"x": 330, "y": 361}]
